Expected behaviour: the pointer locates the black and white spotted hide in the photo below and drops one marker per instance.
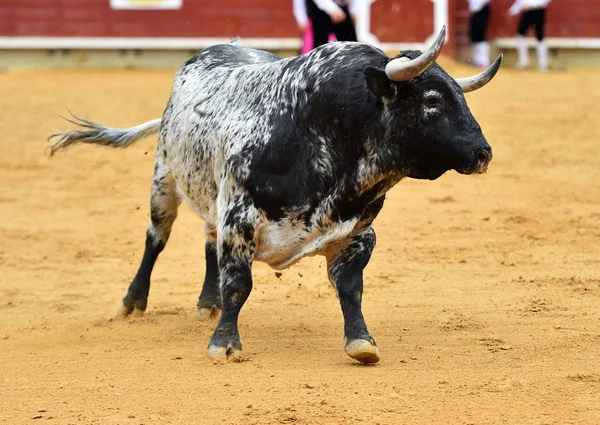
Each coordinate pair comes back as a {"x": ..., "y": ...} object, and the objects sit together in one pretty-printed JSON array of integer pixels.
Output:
[{"x": 287, "y": 158}]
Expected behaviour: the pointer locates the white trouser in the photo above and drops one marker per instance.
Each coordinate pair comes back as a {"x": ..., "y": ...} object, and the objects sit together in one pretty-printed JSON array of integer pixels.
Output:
[
  {"x": 542, "y": 55},
  {"x": 523, "y": 53},
  {"x": 481, "y": 54}
]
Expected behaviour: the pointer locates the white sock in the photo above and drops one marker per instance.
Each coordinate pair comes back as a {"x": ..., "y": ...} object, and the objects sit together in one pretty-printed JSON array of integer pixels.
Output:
[
  {"x": 542, "y": 55},
  {"x": 522, "y": 51},
  {"x": 481, "y": 54}
]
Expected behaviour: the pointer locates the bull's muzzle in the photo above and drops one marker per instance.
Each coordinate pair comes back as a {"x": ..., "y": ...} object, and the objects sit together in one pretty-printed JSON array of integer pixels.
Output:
[
  {"x": 481, "y": 159},
  {"x": 484, "y": 157}
]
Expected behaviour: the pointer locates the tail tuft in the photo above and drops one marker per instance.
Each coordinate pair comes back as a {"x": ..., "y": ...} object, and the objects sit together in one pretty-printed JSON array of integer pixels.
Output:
[{"x": 98, "y": 134}]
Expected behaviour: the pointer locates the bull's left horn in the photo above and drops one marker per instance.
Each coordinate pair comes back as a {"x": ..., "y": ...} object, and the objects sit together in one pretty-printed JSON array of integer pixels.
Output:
[
  {"x": 403, "y": 69},
  {"x": 478, "y": 81}
]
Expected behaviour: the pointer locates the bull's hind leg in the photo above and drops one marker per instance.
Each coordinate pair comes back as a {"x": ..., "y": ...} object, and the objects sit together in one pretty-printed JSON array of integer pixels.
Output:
[
  {"x": 164, "y": 202},
  {"x": 209, "y": 302},
  {"x": 235, "y": 245},
  {"x": 345, "y": 268}
]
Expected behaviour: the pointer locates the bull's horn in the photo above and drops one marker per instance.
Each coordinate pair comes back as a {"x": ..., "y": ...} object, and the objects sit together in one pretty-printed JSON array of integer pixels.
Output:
[
  {"x": 403, "y": 69},
  {"x": 478, "y": 81}
]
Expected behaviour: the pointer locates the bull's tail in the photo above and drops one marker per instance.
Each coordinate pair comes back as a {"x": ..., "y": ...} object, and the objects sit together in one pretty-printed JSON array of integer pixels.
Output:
[{"x": 100, "y": 135}]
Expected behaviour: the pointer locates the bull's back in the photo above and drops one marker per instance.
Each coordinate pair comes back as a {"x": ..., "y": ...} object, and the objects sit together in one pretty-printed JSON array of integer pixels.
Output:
[
  {"x": 230, "y": 102},
  {"x": 204, "y": 111},
  {"x": 217, "y": 98},
  {"x": 229, "y": 55}
]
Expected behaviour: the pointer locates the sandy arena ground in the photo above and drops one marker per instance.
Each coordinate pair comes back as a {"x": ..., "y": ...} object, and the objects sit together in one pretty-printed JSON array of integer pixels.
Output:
[{"x": 483, "y": 293}]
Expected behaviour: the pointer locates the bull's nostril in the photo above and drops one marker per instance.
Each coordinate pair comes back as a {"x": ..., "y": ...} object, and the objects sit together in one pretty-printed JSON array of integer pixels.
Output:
[{"x": 484, "y": 157}]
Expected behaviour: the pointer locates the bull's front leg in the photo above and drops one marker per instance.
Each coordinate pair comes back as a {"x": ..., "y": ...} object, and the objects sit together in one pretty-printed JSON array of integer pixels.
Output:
[
  {"x": 345, "y": 268},
  {"x": 235, "y": 249}
]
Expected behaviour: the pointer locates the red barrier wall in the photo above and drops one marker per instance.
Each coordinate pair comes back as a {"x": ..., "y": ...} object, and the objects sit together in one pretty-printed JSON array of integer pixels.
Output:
[
  {"x": 406, "y": 21},
  {"x": 391, "y": 21},
  {"x": 565, "y": 18},
  {"x": 197, "y": 18}
]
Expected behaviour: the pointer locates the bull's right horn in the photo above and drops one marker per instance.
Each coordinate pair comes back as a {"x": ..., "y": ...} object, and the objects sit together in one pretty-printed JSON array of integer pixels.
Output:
[
  {"x": 403, "y": 69},
  {"x": 476, "y": 82}
]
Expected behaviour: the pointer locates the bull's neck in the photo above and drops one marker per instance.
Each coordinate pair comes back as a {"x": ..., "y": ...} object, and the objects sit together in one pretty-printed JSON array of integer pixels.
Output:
[
  {"x": 370, "y": 179},
  {"x": 376, "y": 173}
]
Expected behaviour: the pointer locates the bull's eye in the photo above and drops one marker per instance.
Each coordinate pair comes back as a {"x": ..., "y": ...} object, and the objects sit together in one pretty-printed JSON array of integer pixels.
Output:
[
  {"x": 432, "y": 101},
  {"x": 432, "y": 98}
]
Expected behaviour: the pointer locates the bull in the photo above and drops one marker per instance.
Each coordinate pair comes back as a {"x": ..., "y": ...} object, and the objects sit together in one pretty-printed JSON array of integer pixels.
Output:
[{"x": 287, "y": 158}]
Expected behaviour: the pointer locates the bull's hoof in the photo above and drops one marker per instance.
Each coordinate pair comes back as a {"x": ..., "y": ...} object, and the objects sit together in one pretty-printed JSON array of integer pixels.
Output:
[
  {"x": 362, "y": 350},
  {"x": 223, "y": 354},
  {"x": 134, "y": 309},
  {"x": 208, "y": 313},
  {"x": 225, "y": 345},
  {"x": 209, "y": 307}
]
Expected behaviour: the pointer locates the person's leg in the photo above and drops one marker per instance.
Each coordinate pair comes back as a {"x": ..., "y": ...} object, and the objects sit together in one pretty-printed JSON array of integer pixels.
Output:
[
  {"x": 321, "y": 27},
  {"x": 539, "y": 22},
  {"x": 522, "y": 51},
  {"x": 345, "y": 31},
  {"x": 475, "y": 36},
  {"x": 481, "y": 54},
  {"x": 480, "y": 46}
]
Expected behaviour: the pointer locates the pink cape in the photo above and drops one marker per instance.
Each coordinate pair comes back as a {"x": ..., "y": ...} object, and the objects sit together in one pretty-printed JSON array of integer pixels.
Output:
[{"x": 307, "y": 39}]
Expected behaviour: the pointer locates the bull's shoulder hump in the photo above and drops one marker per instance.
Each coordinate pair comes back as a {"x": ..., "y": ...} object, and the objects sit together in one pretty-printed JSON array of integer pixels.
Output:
[
  {"x": 339, "y": 50},
  {"x": 229, "y": 55}
]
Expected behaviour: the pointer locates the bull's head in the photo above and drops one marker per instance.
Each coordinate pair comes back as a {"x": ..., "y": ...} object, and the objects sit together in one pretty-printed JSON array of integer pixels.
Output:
[{"x": 427, "y": 117}]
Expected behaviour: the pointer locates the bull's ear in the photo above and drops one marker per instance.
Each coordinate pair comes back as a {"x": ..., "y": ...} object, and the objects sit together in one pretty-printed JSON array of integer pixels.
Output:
[{"x": 378, "y": 82}]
